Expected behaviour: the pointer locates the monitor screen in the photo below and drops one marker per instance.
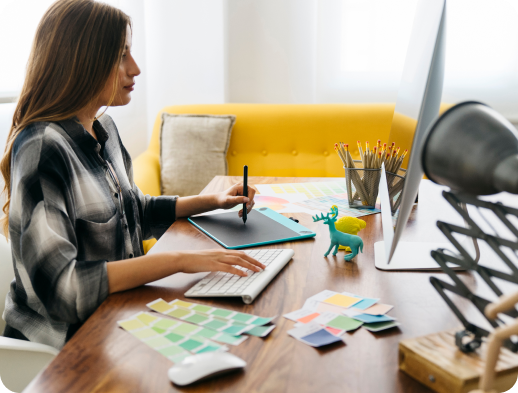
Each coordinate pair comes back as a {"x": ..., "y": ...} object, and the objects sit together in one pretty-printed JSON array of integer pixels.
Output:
[{"x": 418, "y": 102}]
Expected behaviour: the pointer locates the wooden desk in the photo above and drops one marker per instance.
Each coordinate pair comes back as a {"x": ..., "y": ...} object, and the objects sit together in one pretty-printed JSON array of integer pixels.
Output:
[{"x": 103, "y": 358}]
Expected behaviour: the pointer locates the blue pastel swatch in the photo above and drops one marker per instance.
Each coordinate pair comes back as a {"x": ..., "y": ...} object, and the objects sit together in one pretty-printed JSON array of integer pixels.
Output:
[
  {"x": 320, "y": 338},
  {"x": 367, "y": 318},
  {"x": 365, "y": 303}
]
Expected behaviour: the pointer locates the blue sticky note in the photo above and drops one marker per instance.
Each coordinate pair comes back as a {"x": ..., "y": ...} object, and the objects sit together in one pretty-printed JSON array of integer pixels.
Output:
[
  {"x": 365, "y": 303},
  {"x": 320, "y": 338},
  {"x": 366, "y": 318}
]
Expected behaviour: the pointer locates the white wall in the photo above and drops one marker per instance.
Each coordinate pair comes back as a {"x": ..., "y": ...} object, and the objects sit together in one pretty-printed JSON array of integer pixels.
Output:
[
  {"x": 185, "y": 53},
  {"x": 131, "y": 120},
  {"x": 271, "y": 51}
]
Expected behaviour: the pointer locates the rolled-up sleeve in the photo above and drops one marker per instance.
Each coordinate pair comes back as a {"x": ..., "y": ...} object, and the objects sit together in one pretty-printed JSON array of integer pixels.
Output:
[{"x": 70, "y": 290}]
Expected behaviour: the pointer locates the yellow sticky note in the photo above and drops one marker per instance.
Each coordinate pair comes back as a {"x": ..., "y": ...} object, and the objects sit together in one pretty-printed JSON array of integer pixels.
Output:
[
  {"x": 180, "y": 303},
  {"x": 131, "y": 324},
  {"x": 342, "y": 300},
  {"x": 146, "y": 318},
  {"x": 159, "y": 305}
]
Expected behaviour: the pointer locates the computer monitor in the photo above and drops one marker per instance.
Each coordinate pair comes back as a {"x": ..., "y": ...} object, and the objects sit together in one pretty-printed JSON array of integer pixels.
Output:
[{"x": 417, "y": 105}]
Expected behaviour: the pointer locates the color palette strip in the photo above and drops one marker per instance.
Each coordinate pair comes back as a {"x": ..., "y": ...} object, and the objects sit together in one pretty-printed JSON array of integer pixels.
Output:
[
  {"x": 172, "y": 344},
  {"x": 161, "y": 325},
  {"x": 249, "y": 319},
  {"x": 217, "y": 319}
]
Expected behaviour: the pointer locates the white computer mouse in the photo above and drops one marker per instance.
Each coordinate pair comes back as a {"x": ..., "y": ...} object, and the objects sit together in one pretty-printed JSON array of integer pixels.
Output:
[{"x": 204, "y": 365}]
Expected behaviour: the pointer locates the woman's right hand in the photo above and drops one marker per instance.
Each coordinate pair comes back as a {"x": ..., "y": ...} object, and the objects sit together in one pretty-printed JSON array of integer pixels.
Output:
[{"x": 217, "y": 260}]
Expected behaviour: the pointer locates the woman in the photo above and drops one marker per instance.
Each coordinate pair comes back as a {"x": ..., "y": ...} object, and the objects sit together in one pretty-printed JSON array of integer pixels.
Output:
[{"x": 72, "y": 205}]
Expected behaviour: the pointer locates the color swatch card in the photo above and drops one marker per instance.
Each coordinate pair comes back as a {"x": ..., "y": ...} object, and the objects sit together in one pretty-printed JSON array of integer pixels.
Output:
[
  {"x": 340, "y": 322},
  {"x": 313, "y": 334},
  {"x": 379, "y": 326},
  {"x": 175, "y": 345},
  {"x": 366, "y": 318},
  {"x": 161, "y": 325},
  {"x": 218, "y": 319}
]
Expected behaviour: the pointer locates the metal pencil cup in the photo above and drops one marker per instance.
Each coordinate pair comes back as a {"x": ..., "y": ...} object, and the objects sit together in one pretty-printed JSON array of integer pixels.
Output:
[
  {"x": 365, "y": 183},
  {"x": 395, "y": 182}
]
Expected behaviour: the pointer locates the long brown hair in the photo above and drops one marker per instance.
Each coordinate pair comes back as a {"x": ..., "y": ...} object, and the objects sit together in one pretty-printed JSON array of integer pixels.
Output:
[{"x": 77, "y": 46}]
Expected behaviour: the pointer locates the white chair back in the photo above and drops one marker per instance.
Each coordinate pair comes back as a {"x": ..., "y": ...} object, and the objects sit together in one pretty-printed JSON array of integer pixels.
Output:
[{"x": 6, "y": 275}]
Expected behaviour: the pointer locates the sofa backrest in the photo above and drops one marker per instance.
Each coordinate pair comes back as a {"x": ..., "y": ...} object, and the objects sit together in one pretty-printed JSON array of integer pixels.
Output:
[{"x": 292, "y": 140}]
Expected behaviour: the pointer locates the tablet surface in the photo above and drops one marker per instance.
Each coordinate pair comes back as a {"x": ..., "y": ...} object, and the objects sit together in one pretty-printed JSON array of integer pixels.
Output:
[{"x": 263, "y": 226}]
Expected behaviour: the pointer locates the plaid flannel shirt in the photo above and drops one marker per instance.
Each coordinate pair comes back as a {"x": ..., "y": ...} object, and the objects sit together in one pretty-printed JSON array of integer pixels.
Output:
[{"x": 67, "y": 220}]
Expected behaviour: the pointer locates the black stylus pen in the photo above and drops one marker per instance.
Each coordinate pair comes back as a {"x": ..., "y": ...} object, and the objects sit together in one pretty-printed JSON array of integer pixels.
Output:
[{"x": 245, "y": 190}]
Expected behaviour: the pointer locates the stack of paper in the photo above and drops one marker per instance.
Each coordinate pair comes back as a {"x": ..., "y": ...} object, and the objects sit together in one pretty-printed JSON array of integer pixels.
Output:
[{"x": 338, "y": 313}]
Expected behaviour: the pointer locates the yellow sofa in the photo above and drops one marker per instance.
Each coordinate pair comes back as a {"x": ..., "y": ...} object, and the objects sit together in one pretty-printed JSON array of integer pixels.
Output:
[{"x": 278, "y": 139}]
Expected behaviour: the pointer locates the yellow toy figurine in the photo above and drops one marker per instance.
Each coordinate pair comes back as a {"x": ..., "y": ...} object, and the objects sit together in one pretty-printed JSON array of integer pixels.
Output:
[{"x": 350, "y": 225}]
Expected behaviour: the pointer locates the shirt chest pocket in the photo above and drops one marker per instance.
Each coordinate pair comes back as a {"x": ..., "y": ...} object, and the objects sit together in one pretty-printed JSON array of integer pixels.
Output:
[{"x": 99, "y": 240}]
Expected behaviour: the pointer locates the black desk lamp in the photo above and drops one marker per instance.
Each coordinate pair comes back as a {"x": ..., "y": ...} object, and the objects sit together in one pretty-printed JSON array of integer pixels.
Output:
[{"x": 474, "y": 150}]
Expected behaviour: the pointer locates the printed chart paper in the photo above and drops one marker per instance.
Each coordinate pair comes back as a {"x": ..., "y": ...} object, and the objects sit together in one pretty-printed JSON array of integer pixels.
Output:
[
  {"x": 323, "y": 204},
  {"x": 161, "y": 325},
  {"x": 309, "y": 190},
  {"x": 314, "y": 335},
  {"x": 176, "y": 342},
  {"x": 219, "y": 319}
]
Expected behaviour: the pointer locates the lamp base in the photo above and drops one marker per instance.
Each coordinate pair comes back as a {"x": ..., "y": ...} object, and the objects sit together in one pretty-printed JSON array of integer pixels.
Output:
[{"x": 436, "y": 362}]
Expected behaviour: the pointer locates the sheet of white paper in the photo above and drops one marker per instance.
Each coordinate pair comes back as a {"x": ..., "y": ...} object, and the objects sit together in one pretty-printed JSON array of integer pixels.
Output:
[
  {"x": 311, "y": 305},
  {"x": 352, "y": 312},
  {"x": 294, "y": 315},
  {"x": 304, "y": 329}
]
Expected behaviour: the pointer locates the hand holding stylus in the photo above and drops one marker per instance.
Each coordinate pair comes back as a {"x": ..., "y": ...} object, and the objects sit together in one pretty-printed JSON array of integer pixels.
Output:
[{"x": 234, "y": 196}]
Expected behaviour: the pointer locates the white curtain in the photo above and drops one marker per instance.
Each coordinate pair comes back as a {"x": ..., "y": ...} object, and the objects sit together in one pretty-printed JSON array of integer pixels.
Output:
[{"x": 283, "y": 51}]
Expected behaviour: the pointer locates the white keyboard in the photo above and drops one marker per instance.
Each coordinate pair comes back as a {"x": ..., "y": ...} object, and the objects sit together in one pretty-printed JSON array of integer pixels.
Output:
[{"x": 220, "y": 284}]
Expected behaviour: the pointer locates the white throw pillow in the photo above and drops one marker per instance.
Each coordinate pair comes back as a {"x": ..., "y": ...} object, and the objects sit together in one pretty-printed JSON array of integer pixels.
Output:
[{"x": 193, "y": 149}]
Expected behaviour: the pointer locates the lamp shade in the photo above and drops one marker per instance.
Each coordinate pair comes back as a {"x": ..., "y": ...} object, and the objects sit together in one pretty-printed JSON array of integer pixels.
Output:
[{"x": 472, "y": 148}]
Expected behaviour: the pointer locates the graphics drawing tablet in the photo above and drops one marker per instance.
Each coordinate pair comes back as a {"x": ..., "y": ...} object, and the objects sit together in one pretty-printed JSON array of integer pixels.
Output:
[{"x": 263, "y": 226}]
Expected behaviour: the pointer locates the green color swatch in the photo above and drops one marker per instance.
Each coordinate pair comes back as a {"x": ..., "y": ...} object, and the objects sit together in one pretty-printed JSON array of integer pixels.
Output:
[
  {"x": 165, "y": 323},
  {"x": 242, "y": 317},
  {"x": 258, "y": 331},
  {"x": 208, "y": 348},
  {"x": 158, "y": 330},
  {"x": 196, "y": 318},
  {"x": 171, "y": 351},
  {"x": 214, "y": 325},
  {"x": 261, "y": 321},
  {"x": 202, "y": 308},
  {"x": 344, "y": 323},
  {"x": 234, "y": 330},
  {"x": 185, "y": 328},
  {"x": 174, "y": 337},
  {"x": 179, "y": 313},
  {"x": 221, "y": 313},
  {"x": 190, "y": 344},
  {"x": 228, "y": 339},
  {"x": 207, "y": 333}
]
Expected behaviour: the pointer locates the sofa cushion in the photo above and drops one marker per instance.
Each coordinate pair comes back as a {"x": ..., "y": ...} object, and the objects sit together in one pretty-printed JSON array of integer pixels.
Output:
[{"x": 193, "y": 149}]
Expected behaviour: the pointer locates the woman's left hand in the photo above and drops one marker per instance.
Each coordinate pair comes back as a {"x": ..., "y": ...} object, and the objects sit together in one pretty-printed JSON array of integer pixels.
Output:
[{"x": 234, "y": 196}]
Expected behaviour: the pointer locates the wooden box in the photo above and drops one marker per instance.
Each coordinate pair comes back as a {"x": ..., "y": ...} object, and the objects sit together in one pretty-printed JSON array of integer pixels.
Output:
[{"x": 436, "y": 362}]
